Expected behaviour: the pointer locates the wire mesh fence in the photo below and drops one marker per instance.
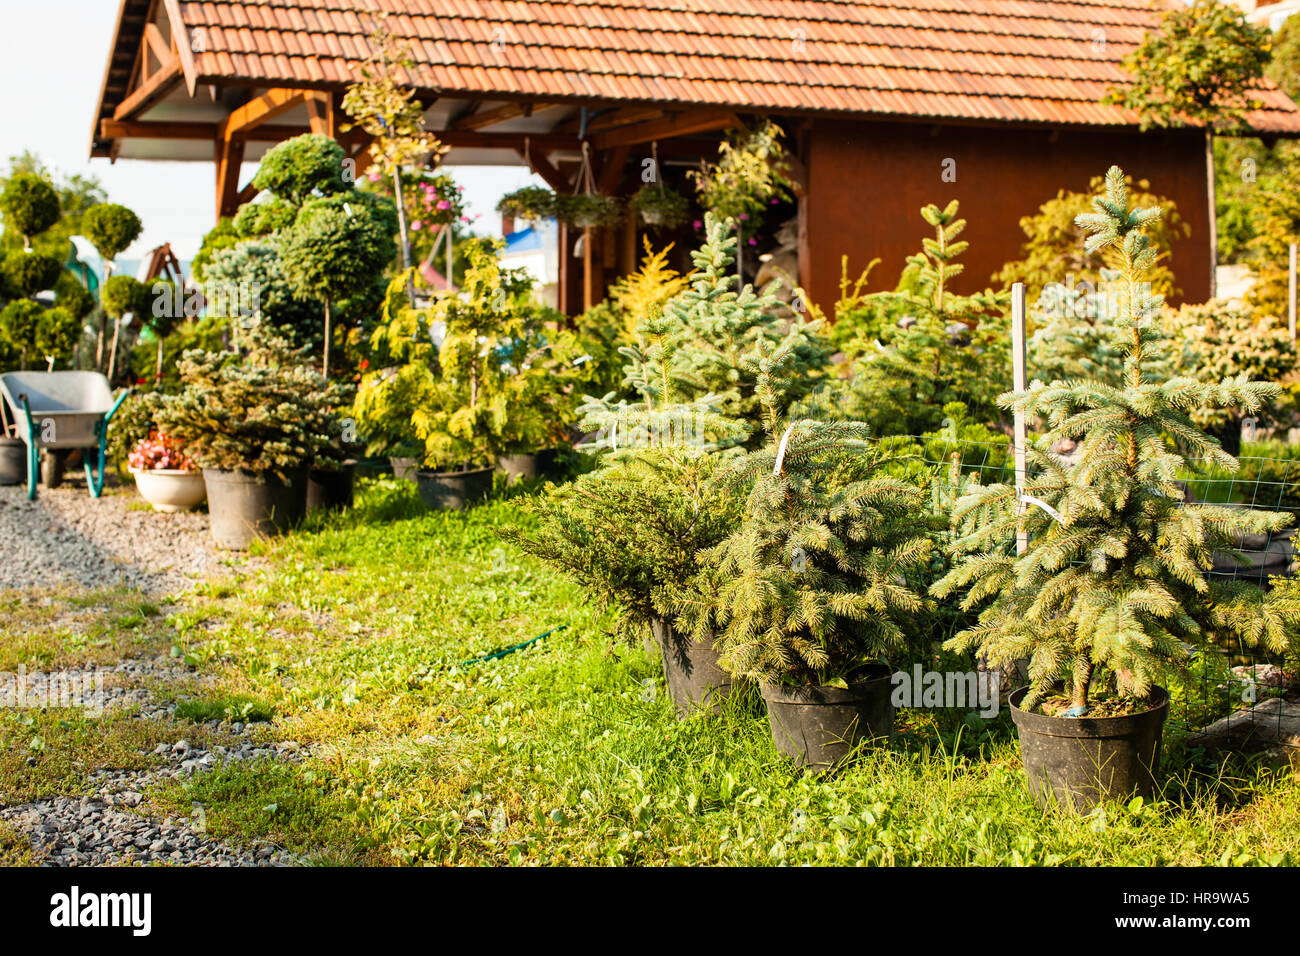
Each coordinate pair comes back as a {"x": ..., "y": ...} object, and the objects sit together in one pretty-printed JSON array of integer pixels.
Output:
[{"x": 1225, "y": 694}]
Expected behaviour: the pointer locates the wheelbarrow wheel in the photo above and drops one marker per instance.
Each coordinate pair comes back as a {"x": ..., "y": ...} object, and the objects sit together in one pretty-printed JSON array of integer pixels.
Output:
[{"x": 52, "y": 469}]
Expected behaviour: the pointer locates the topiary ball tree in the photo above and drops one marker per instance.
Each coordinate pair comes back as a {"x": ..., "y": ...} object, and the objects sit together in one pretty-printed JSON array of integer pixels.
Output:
[
  {"x": 111, "y": 229},
  {"x": 336, "y": 247},
  {"x": 303, "y": 167},
  {"x": 70, "y": 294},
  {"x": 18, "y": 324},
  {"x": 57, "y": 333},
  {"x": 28, "y": 273},
  {"x": 30, "y": 206},
  {"x": 121, "y": 295}
]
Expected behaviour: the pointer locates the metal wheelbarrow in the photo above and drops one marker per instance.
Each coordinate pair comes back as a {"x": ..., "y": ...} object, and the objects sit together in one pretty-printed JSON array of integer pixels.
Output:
[{"x": 62, "y": 410}]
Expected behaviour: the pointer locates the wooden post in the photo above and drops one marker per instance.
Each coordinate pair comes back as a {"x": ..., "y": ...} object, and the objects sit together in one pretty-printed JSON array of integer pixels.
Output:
[
  {"x": 588, "y": 292},
  {"x": 1019, "y": 384},
  {"x": 1290, "y": 295}
]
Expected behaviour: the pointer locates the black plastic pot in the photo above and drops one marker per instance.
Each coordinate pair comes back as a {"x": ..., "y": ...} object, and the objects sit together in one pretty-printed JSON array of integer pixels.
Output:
[
  {"x": 1078, "y": 762},
  {"x": 331, "y": 490},
  {"x": 691, "y": 671},
  {"x": 13, "y": 461},
  {"x": 453, "y": 490},
  {"x": 244, "y": 507},
  {"x": 538, "y": 464},
  {"x": 819, "y": 726}
]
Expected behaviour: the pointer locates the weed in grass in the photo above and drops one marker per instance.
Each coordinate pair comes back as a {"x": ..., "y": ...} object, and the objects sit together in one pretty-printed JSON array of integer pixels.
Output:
[{"x": 233, "y": 707}]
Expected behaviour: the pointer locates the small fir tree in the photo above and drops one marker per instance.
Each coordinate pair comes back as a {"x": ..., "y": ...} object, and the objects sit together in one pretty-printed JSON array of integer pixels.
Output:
[
  {"x": 947, "y": 347},
  {"x": 1115, "y": 576},
  {"x": 821, "y": 578},
  {"x": 694, "y": 361}
]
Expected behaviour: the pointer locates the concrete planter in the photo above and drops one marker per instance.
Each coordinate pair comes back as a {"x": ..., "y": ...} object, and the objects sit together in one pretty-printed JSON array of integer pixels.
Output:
[{"x": 170, "y": 490}]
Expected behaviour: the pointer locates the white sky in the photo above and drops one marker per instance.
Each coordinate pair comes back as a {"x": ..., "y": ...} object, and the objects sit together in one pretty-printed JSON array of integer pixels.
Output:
[{"x": 52, "y": 59}]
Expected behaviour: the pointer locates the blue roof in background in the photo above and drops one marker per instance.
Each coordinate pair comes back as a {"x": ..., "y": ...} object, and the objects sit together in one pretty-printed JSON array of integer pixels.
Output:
[{"x": 525, "y": 240}]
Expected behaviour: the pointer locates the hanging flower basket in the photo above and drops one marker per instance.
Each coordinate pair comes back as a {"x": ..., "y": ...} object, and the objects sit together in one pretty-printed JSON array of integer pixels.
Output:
[
  {"x": 532, "y": 204},
  {"x": 660, "y": 206},
  {"x": 589, "y": 210}
]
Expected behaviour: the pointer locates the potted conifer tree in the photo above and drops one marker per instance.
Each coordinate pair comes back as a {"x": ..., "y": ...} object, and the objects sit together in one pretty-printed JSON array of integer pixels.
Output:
[
  {"x": 632, "y": 532},
  {"x": 255, "y": 422},
  {"x": 813, "y": 593},
  {"x": 1114, "y": 582}
]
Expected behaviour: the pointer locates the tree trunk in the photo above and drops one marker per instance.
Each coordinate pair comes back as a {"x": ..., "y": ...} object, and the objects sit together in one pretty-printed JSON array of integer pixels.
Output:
[
  {"x": 112, "y": 352},
  {"x": 1079, "y": 697},
  {"x": 1214, "y": 213},
  {"x": 325, "y": 365},
  {"x": 157, "y": 375},
  {"x": 99, "y": 338},
  {"x": 401, "y": 218}
]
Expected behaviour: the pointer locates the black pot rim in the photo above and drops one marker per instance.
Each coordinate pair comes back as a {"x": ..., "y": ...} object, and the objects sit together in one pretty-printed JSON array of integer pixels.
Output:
[
  {"x": 425, "y": 473},
  {"x": 1120, "y": 726},
  {"x": 873, "y": 676},
  {"x": 299, "y": 472}
]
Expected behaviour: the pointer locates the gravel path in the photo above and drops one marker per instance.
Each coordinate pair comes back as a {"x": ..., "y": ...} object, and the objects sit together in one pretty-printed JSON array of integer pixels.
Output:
[{"x": 67, "y": 537}]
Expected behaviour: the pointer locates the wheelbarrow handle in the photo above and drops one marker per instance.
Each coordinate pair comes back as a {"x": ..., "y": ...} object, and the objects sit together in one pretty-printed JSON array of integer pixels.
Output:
[{"x": 117, "y": 404}]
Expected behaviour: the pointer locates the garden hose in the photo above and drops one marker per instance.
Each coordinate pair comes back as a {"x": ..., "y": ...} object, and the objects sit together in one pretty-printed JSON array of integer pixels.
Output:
[{"x": 511, "y": 649}]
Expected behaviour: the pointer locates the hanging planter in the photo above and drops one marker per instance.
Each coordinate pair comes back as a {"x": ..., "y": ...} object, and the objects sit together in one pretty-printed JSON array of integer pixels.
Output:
[
  {"x": 659, "y": 206},
  {"x": 589, "y": 210},
  {"x": 531, "y": 204}
]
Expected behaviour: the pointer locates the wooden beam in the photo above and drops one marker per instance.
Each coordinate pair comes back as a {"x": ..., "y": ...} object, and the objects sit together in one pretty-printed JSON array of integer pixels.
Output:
[
  {"x": 542, "y": 167},
  {"x": 259, "y": 110},
  {"x": 150, "y": 91},
  {"x": 229, "y": 156},
  {"x": 611, "y": 170},
  {"x": 147, "y": 129},
  {"x": 320, "y": 114},
  {"x": 683, "y": 124},
  {"x": 499, "y": 114},
  {"x": 156, "y": 43},
  {"x": 465, "y": 139},
  {"x": 627, "y": 117}
]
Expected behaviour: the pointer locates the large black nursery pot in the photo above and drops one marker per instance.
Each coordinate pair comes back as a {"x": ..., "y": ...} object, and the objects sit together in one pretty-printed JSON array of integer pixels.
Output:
[
  {"x": 13, "y": 460},
  {"x": 1078, "y": 762},
  {"x": 453, "y": 490},
  {"x": 244, "y": 506},
  {"x": 331, "y": 489},
  {"x": 537, "y": 464},
  {"x": 695, "y": 679},
  {"x": 818, "y": 726}
]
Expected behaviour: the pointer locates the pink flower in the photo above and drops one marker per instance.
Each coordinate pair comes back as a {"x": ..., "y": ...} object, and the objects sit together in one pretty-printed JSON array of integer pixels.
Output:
[
  {"x": 416, "y": 225},
  {"x": 753, "y": 242},
  {"x": 697, "y": 224},
  {"x": 443, "y": 204},
  {"x": 744, "y": 217},
  {"x": 374, "y": 175}
]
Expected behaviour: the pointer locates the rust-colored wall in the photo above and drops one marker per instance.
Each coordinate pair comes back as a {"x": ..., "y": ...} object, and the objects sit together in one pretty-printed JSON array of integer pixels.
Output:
[{"x": 868, "y": 181}]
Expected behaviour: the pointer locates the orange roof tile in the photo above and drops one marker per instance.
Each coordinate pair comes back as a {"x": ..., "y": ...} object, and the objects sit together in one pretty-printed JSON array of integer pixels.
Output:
[{"x": 1046, "y": 61}]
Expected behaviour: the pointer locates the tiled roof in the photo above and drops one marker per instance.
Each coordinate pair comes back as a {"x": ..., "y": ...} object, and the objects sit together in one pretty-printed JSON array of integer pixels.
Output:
[{"x": 1046, "y": 61}]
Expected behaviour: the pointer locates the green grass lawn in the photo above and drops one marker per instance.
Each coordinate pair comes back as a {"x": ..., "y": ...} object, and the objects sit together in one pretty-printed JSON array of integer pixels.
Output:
[{"x": 352, "y": 640}]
